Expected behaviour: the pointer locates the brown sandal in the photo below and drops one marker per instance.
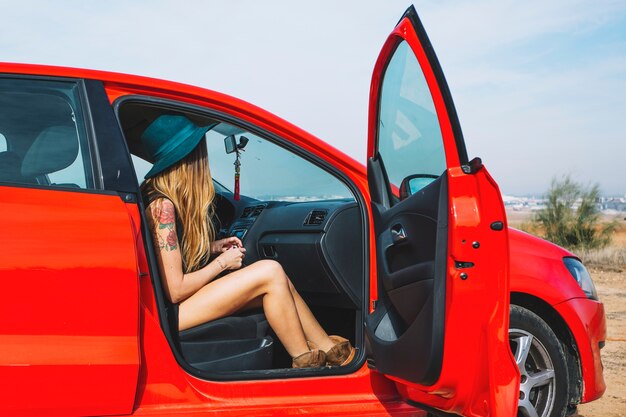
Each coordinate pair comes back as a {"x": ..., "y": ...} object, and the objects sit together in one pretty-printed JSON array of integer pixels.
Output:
[
  {"x": 314, "y": 358},
  {"x": 339, "y": 355}
]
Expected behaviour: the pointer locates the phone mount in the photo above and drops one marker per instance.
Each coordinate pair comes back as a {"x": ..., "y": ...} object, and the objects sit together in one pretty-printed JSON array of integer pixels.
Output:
[{"x": 231, "y": 145}]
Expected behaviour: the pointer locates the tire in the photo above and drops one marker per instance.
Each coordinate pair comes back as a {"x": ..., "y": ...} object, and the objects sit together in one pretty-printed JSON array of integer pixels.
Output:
[{"x": 542, "y": 364}]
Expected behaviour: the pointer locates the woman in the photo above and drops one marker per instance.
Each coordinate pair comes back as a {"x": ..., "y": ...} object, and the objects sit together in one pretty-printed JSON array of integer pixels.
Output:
[{"x": 179, "y": 194}]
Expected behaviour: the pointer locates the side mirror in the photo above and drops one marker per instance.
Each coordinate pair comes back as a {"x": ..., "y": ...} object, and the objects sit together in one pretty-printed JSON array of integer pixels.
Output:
[{"x": 413, "y": 183}]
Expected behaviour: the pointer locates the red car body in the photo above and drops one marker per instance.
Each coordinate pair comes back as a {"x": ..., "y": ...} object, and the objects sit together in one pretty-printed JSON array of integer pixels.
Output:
[
  {"x": 540, "y": 282},
  {"x": 81, "y": 334}
]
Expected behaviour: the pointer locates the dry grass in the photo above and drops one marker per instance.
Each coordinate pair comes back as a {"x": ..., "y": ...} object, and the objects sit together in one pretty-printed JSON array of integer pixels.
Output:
[
  {"x": 619, "y": 238},
  {"x": 611, "y": 258}
]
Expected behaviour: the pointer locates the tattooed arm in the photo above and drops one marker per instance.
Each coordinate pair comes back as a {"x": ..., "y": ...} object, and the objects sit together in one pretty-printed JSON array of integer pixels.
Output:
[{"x": 179, "y": 286}]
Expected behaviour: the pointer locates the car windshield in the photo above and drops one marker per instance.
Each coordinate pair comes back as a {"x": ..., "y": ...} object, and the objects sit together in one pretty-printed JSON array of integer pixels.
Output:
[{"x": 268, "y": 171}]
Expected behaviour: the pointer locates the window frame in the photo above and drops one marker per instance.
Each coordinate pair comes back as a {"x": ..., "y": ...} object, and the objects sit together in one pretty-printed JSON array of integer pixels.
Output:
[{"x": 272, "y": 374}]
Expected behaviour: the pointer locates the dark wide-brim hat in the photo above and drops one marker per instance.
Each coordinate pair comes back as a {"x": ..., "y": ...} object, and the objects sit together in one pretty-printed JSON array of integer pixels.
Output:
[{"x": 170, "y": 138}]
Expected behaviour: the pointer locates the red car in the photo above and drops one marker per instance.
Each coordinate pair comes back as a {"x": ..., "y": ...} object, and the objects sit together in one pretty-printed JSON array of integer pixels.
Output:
[{"x": 410, "y": 258}]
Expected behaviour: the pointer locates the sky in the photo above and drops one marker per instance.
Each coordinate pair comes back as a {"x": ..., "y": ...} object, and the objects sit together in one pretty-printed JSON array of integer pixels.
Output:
[{"x": 539, "y": 86}]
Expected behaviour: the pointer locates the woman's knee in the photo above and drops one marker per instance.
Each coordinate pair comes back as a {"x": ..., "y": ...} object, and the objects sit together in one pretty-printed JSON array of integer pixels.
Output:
[
  {"x": 269, "y": 267},
  {"x": 276, "y": 272},
  {"x": 272, "y": 272}
]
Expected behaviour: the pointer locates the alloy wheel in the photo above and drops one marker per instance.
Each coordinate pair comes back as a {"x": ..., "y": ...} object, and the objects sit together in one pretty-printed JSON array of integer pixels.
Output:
[{"x": 537, "y": 383}]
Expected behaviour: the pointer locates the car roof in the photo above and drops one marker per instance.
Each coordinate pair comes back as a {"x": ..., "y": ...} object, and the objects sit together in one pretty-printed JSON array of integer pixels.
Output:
[{"x": 138, "y": 82}]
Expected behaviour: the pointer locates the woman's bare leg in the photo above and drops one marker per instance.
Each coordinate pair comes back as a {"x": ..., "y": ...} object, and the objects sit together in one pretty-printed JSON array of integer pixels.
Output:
[
  {"x": 312, "y": 329},
  {"x": 263, "y": 279}
]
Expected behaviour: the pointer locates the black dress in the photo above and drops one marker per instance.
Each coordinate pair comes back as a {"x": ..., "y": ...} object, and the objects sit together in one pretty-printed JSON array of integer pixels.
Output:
[
  {"x": 171, "y": 309},
  {"x": 148, "y": 197}
]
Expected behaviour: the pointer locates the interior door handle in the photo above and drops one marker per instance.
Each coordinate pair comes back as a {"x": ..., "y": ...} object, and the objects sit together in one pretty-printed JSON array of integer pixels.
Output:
[{"x": 398, "y": 235}]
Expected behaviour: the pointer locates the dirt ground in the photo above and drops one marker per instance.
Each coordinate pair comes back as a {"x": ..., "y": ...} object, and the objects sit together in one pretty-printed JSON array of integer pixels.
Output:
[{"x": 611, "y": 288}]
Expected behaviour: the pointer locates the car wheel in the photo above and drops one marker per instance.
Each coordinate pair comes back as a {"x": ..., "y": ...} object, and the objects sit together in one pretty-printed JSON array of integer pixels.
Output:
[{"x": 542, "y": 365}]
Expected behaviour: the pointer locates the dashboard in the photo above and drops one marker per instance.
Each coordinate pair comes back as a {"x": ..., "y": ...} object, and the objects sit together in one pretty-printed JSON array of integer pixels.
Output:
[{"x": 319, "y": 243}]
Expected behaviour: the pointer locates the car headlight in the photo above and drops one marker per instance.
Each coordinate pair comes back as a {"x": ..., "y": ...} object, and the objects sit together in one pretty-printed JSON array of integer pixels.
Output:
[{"x": 582, "y": 277}]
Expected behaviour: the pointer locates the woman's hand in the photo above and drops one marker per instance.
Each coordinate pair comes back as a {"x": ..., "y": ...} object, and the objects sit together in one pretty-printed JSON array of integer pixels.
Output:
[
  {"x": 231, "y": 258},
  {"x": 222, "y": 245}
]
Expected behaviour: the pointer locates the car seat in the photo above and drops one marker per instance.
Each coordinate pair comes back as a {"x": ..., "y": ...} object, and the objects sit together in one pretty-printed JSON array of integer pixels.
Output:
[
  {"x": 54, "y": 149},
  {"x": 10, "y": 165},
  {"x": 238, "y": 342}
]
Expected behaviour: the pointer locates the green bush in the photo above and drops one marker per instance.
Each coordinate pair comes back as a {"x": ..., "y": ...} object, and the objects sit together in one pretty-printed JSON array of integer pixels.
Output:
[{"x": 571, "y": 217}]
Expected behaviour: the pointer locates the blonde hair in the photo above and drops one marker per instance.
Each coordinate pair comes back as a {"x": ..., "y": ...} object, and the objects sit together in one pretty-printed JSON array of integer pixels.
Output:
[{"x": 189, "y": 186}]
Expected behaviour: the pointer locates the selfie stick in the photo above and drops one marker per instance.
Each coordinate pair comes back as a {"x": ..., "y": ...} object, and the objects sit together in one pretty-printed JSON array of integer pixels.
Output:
[{"x": 237, "y": 170}]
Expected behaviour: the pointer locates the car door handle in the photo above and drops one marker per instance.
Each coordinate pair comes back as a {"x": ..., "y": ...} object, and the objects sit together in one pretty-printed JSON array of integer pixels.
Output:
[{"x": 398, "y": 235}]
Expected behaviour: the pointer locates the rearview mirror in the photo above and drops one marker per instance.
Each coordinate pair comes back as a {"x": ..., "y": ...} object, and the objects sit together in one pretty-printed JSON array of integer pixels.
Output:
[{"x": 413, "y": 183}]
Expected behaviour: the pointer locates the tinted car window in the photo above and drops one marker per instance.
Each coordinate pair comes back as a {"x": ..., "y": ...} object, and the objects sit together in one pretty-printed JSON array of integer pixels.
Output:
[
  {"x": 45, "y": 142},
  {"x": 409, "y": 138}
]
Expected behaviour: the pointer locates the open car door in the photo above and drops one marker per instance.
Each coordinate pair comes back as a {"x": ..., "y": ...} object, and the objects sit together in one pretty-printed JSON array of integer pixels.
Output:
[{"x": 439, "y": 323}]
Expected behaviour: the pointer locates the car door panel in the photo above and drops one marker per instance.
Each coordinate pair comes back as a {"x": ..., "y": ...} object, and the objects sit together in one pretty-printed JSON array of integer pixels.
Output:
[
  {"x": 69, "y": 321},
  {"x": 439, "y": 325},
  {"x": 70, "y": 324},
  {"x": 411, "y": 281},
  {"x": 477, "y": 376}
]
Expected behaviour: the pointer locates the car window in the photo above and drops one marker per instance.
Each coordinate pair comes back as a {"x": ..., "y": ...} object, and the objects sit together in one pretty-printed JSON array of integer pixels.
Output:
[
  {"x": 409, "y": 135},
  {"x": 270, "y": 172},
  {"x": 42, "y": 127},
  {"x": 141, "y": 167}
]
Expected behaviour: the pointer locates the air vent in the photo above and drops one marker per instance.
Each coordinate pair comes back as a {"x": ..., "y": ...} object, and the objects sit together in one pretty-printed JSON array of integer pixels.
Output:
[
  {"x": 252, "y": 211},
  {"x": 315, "y": 217},
  {"x": 246, "y": 212},
  {"x": 257, "y": 210}
]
